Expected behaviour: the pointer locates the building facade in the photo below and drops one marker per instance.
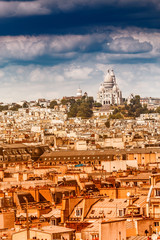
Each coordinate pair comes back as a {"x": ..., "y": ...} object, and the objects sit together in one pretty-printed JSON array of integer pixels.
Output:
[{"x": 109, "y": 92}]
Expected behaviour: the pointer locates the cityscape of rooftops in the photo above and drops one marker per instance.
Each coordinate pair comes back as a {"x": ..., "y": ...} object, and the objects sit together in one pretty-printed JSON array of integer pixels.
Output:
[{"x": 80, "y": 119}]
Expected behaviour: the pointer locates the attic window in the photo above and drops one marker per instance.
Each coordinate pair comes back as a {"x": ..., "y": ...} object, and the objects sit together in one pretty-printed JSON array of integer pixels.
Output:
[
  {"x": 101, "y": 212},
  {"x": 102, "y": 199},
  {"x": 156, "y": 224},
  {"x": 109, "y": 212},
  {"x": 93, "y": 211},
  {"x": 111, "y": 200},
  {"x": 78, "y": 212},
  {"x": 120, "y": 213}
]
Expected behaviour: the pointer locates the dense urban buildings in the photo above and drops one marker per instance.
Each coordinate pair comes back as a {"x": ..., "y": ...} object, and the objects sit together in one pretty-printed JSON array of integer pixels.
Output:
[{"x": 65, "y": 174}]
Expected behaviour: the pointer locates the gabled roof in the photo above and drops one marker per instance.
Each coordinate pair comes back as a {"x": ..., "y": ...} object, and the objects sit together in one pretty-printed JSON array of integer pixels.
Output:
[{"x": 55, "y": 212}]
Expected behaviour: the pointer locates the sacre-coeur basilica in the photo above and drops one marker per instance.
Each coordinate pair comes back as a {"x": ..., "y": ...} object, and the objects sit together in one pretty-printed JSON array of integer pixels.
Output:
[{"x": 109, "y": 92}]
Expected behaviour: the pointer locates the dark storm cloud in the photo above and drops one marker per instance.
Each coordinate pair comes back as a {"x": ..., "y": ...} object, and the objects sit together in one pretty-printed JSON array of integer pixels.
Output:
[{"x": 72, "y": 16}]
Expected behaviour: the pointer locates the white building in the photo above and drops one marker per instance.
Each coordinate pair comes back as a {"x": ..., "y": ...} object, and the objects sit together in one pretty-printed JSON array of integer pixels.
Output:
[
  {"x": 109, "y": 92},
  {"x": 79, "y": 92}
]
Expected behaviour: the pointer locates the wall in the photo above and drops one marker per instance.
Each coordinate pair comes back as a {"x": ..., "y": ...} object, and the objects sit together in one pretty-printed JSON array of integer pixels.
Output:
[
  {"x": 7, "y": 220},
  {"x": 115, "y": 230},
  {"x": 40, "y": 235},
  {"x": 116, "y": 165}
]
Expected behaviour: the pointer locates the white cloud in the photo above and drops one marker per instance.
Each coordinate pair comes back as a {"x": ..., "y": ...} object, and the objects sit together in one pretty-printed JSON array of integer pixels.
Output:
[
  {"x": 27, "y": 8},
  {"x": 32, "y": 82},
  {"x": 78, "y": 73},
  {"x": 29, "y": 47},
  {"x": 128, "y": 41},
  {"x": 129, "y": 45}
]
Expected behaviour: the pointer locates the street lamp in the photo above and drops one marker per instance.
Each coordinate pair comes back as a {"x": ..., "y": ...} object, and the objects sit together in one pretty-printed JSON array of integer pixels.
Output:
[{"x": 27, "y": 222}]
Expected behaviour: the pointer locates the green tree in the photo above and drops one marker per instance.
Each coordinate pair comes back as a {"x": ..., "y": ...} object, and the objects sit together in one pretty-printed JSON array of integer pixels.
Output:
[
  {"x": 73, "y": 110},
  {"x": 158, "y": 110},
  {"x": 135, "y": 108},
  {"x": 107, "y": 124},
  {"x": 116, "y": 116},
  {"x": 64, "y": 101},
  {"x": 25, "y": 105},
  {"x": 53, "y": 104},
  {"x": 15, "y": 107},
  {"x": 3, "y": 108},
  {"x": 97, "y": 104},
  {"x": 84, "y": 110}
]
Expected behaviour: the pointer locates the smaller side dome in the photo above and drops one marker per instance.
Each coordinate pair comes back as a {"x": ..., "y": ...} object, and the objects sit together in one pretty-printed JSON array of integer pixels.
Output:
[
  {"x": 112, "y": 73},
  {"x": 79, "y": 92},
  {"x": 101, "y": 88}
]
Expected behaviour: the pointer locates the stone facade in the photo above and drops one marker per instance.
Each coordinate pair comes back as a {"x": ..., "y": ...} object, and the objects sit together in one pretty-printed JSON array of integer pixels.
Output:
[{"x": 109, "y": 92}]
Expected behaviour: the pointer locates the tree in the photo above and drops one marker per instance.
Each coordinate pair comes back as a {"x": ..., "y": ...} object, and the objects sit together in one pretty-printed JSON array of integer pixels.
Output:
[
  {"x": 90, "y": 101},
  {"x": 97, "y": 104},
  {"x": 25, "y": 105},
  {"x": 64, "y": 101},
  {"x": 135, "y": 108},
  {"x": 15, "y": 107},
  {"x": 158, "y": 110},
  {"x": 3, "y": 108},
  {"x": 107, "y": 124},
  {"x": 84, "y": 110},
  {"x": 53, "y": 104},
  {"x": 73, "y": 110},
  {"x": 116, "y": 116}
]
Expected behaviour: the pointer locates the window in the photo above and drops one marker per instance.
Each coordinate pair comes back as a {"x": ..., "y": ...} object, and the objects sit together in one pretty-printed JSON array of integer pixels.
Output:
[
  {"x": 156, "y": 224},
  {"x": 120, "y": 213},
  {"x": 78, "y": 212},
  {"x": 157, "y": 192},
  {"x": 101, "y": 212}
]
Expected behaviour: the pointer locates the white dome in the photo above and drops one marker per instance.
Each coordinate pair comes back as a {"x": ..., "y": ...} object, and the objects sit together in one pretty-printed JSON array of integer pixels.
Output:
[
  {"x": 108, "y": 78},
  {"x": 79, "y": 92}
]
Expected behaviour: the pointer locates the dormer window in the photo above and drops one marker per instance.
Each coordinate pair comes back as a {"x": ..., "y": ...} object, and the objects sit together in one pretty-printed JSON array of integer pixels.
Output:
[
  {"x": 78, "y": 212},
  {"x": 120, "y": 213},
  {"x": 158, "y": 192}
]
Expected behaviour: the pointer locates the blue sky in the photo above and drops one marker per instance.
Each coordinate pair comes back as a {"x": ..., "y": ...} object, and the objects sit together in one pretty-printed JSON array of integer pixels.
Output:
[{"x": 50, "y": 47}]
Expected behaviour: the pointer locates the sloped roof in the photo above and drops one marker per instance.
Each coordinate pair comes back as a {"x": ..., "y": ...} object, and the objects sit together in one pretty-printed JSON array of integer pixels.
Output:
[
  {"x": 21, "y": 196},
  {"x": 55, "y": 212}
]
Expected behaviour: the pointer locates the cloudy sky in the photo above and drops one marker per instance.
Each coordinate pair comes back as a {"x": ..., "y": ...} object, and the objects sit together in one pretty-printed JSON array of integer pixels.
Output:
[{"x": 48, "y": 48}]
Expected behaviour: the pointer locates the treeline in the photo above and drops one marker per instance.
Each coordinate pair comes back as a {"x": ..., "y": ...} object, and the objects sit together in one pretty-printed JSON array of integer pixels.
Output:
[
  {"x": 14, "y": 107},
  {"x": 81, "y": 108},
  {"x": 132, "y": 110}
]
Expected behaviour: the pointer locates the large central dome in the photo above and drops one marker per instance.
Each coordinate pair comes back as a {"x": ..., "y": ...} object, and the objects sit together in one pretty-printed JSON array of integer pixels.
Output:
[{"x": 108, "y": 80}]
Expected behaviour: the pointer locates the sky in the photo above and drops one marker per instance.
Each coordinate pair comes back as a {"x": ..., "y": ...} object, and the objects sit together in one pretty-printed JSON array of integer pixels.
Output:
[{"x": 49, "y": 48}]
